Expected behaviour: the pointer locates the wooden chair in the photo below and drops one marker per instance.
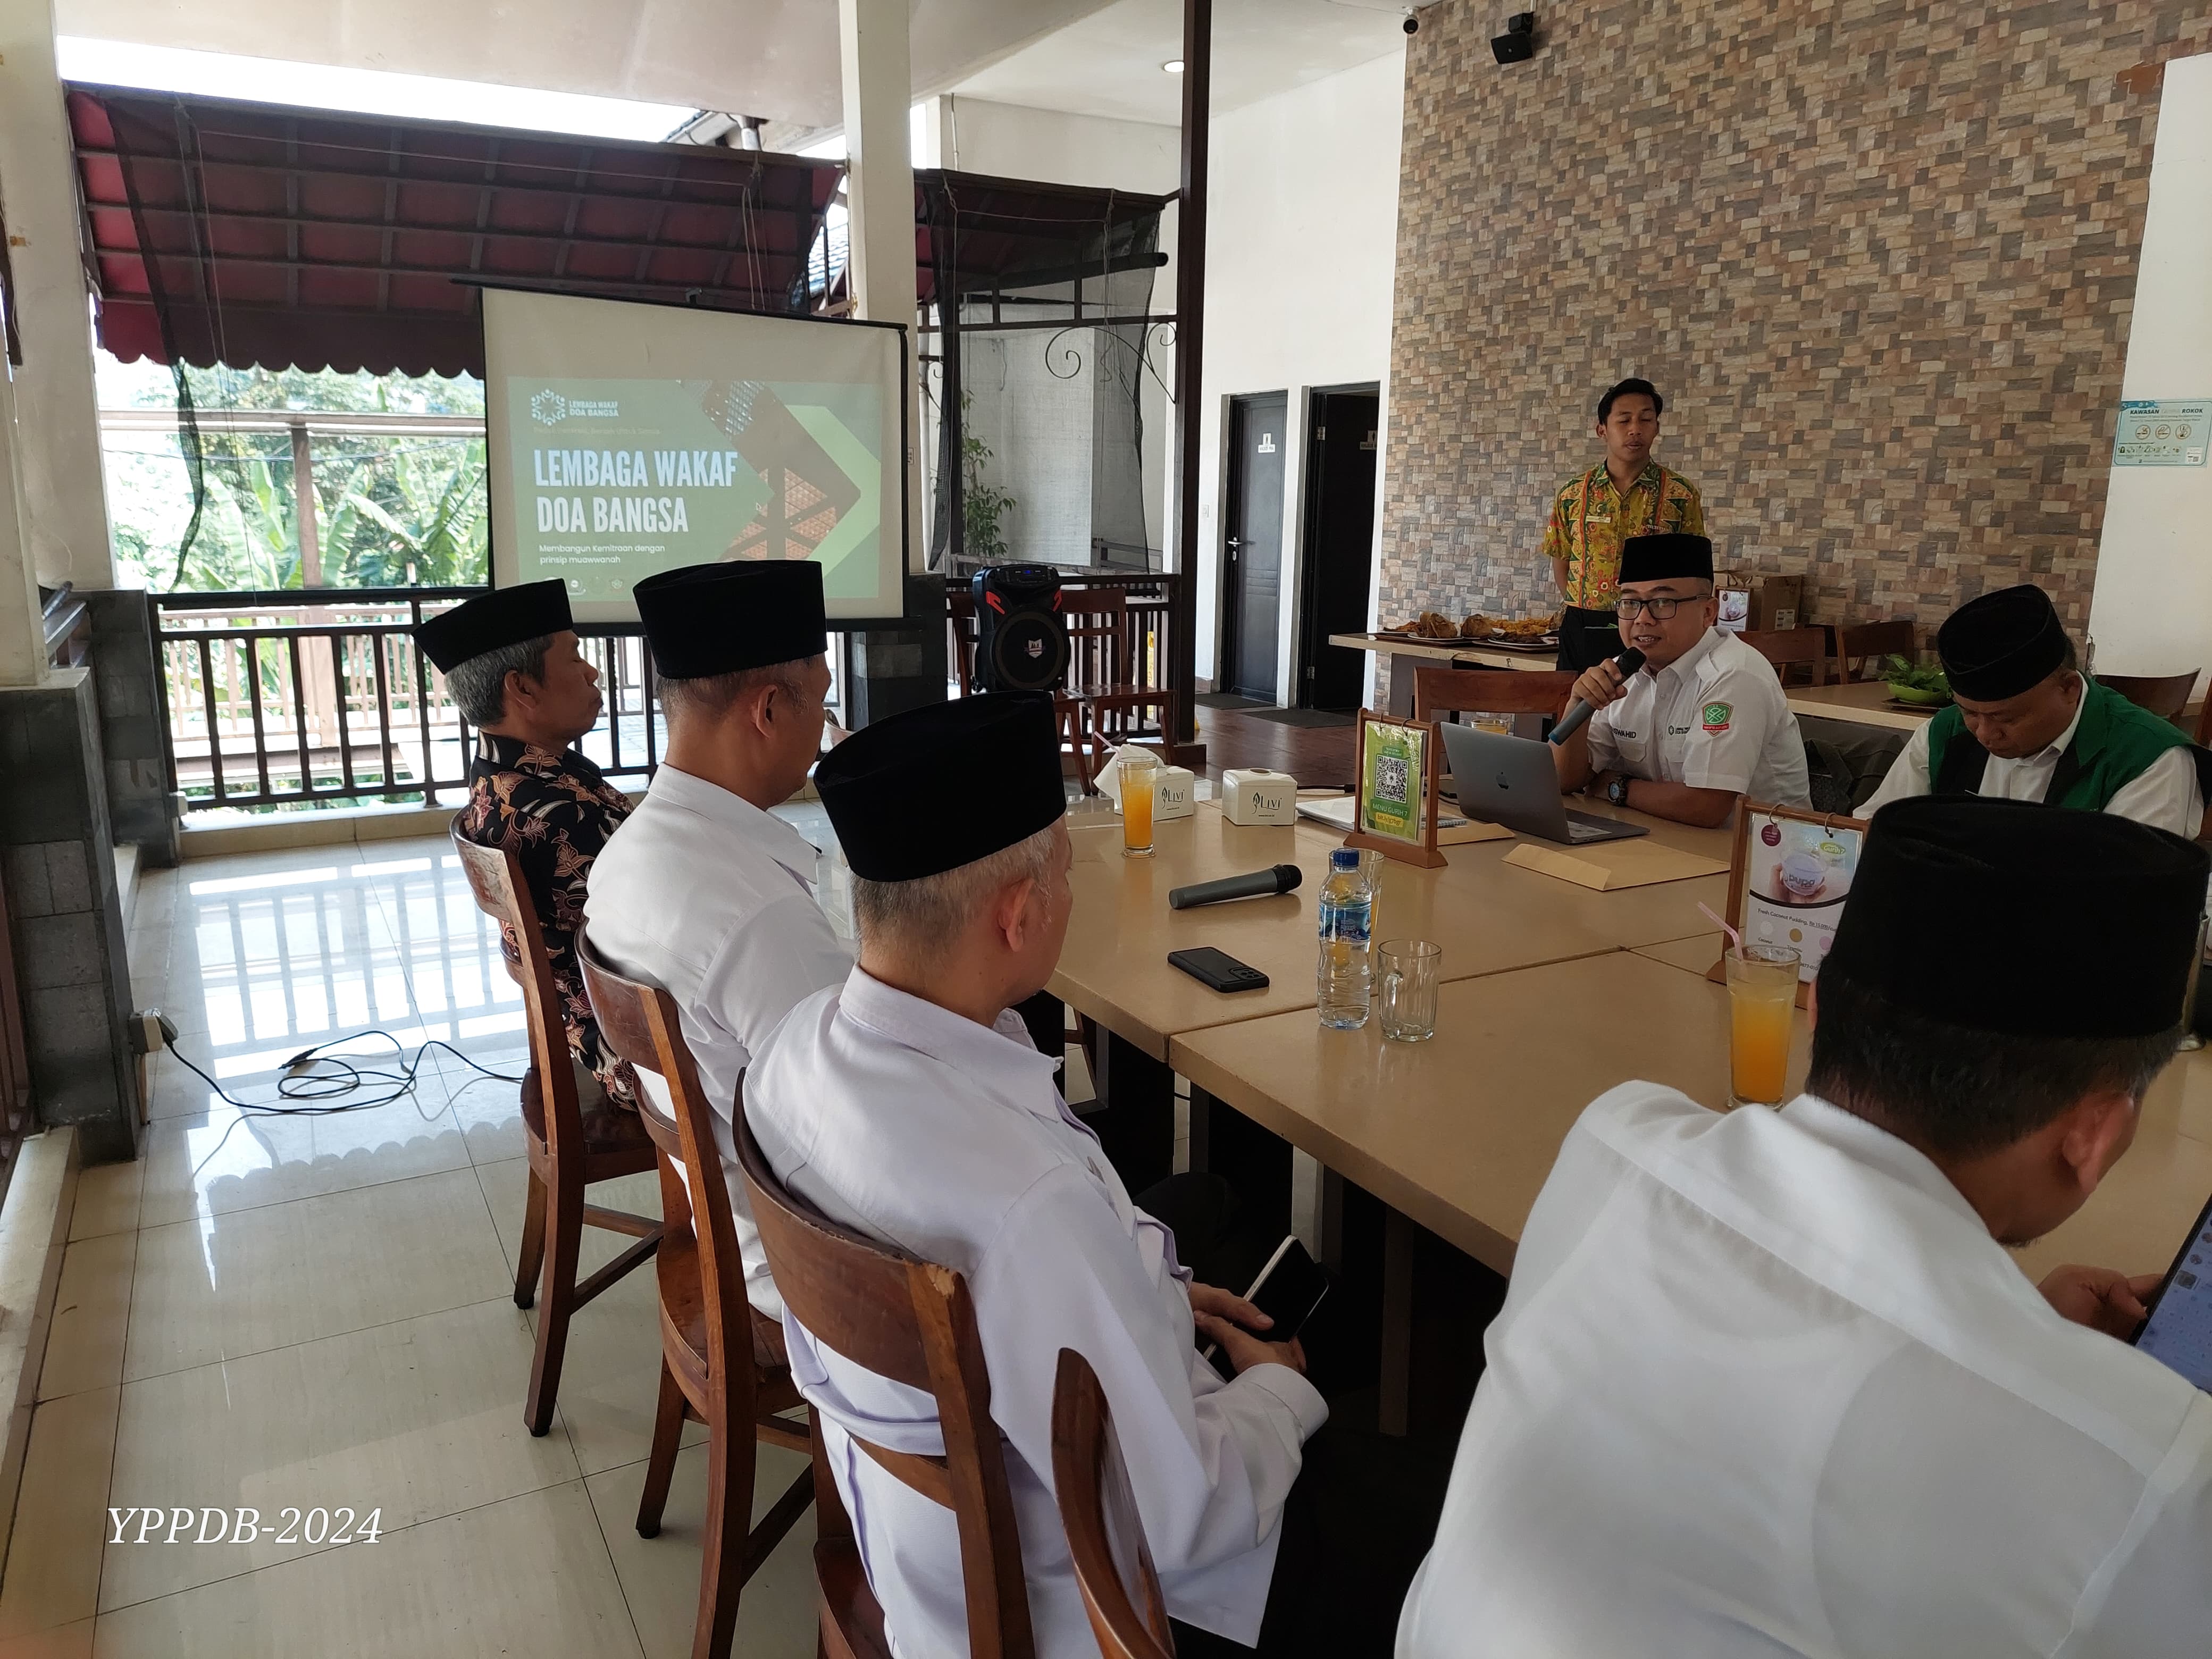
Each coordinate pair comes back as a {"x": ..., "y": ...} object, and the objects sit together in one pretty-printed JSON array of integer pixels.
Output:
[
  {"x": 573, "y": 1138},
  {"x": 1105, "y": 1535},
  {"x": 1489, "y": 691},
  {"x": 1862, "y": 647},
  {"x": 1788, "y": 647},
  {"x": 711, "y": 1340},
  {"x": 2163, "y": 695},
  {"x": 1102, "y": 662},
  {"x": 909, "y": 1321},
  {"x": 1087, "y": 747}
]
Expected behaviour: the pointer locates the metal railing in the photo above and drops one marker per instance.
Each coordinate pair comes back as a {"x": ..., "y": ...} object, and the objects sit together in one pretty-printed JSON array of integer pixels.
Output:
[{"x": 288, "y": 697}]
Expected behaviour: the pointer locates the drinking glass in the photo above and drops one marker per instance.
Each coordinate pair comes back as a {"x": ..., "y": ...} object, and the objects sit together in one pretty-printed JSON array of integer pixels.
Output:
[
  {"x": 1409, "y": 989},
  {"x": 1139, "y": 779},
  {"x": 1762, "y": 983},
  {"x": 1370, "y": 872}
]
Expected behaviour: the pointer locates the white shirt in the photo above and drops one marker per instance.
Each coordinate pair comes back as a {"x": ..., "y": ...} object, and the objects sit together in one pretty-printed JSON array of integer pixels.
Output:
[
  {"x": 2165, "y": 795},
  {"x": 705, "y": 896},
  {"x": 918, "y": 1127},
  {"x": 1715, "y": 718},
  {"x": 1764, "y": 1384}
]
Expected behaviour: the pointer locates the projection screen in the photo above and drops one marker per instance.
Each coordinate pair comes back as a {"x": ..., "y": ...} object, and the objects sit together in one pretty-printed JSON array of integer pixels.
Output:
[{"x": 626, "y": 439}]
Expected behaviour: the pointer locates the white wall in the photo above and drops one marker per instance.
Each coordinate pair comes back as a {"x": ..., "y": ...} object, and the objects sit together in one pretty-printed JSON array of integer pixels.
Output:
[
  {"x": 2152, "y": 610},
  {"x": 1301, "y": 248}
]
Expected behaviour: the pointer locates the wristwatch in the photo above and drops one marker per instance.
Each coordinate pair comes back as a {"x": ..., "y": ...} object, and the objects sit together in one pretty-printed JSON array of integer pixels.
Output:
[{"x": 1616, "y": 791}]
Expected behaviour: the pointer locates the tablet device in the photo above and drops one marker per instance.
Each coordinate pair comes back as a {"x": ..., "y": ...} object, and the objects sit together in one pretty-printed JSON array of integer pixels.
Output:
[{"x": 2178, "y": 1333}]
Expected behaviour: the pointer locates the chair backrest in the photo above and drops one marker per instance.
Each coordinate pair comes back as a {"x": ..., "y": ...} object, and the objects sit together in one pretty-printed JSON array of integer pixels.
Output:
[
  {"x": 1861, "y": 647},
  {"x": 960, "y": 618},
  {"x": 503, "y": 893},
  {"x": 1105, "y": 1535},
  {"x": 1098, "y": 620},
  {"x": 2163, "y": 695},
  {"x": 641, "y": 1023},
  {"x": 1489, "y": 691},
  {"x": 909, "y": 1321},
  {"x": 1785, "y": 646}
]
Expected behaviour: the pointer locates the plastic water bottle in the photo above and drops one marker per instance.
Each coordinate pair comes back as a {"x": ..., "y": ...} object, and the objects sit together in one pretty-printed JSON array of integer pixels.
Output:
[{"x": 1344, "y": 979}]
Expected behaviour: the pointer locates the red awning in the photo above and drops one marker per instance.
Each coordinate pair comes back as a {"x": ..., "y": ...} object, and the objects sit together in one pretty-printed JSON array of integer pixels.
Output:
[{"x": 264, "y": 234}]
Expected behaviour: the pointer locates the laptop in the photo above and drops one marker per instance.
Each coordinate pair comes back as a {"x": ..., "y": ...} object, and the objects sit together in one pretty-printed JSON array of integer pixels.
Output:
[{"x": 1512, "y": 781}]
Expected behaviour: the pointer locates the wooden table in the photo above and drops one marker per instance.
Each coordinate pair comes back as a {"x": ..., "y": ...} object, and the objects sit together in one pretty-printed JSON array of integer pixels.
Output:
[
  {"x": 1447, "y": 653},
  {"x": 1862, "y": 702},
  {"x": 1489, "y": 916}
]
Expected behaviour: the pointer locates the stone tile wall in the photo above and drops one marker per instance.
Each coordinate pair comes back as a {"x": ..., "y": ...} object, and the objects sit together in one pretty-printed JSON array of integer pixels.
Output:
[{"x": 1879, "y": 257}]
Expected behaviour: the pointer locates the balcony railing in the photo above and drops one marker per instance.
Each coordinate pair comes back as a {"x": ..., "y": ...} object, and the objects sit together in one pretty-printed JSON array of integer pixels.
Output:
[{"x": 284, "y": 697}]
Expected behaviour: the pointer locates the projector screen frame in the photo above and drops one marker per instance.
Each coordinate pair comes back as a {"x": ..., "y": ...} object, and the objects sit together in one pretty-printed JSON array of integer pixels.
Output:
[{"x": 495, "y": 510}]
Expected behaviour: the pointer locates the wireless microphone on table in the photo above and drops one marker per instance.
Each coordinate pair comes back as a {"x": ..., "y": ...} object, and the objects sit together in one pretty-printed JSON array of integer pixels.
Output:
[
  {"x": 1581, "y": 709},
  {"x": 1261, "y": 883}
]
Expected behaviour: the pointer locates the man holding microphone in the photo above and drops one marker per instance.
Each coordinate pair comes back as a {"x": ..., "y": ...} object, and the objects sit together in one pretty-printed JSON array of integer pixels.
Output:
[{"x": 1701, "y": 720}]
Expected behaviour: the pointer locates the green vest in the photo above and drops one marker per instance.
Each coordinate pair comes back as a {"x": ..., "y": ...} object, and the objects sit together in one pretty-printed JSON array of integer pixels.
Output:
[{"x": 2113, "y": 745}]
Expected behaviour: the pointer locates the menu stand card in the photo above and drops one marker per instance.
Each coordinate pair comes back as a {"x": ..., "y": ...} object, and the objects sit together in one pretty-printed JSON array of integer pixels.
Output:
[
  {"x": 1787, "y": 880},
  {"x": 1395, "y": 788}
]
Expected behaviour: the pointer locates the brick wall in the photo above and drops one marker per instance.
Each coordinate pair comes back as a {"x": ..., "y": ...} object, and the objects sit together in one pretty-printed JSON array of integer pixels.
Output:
[{"x": 1879, "y": 257}]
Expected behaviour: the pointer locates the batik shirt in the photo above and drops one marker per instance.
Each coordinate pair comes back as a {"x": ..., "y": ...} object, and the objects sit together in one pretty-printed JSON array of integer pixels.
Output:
[
  {"x": 1590, "y": 521},
  {"x": 554, "y": 813}
]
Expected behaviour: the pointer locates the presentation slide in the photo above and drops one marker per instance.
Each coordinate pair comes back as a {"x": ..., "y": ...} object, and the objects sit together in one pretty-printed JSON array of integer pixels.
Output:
[{"x": 629, "y": 439}]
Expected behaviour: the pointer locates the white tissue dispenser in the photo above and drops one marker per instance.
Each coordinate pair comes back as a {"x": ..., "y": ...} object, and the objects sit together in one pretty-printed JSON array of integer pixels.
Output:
[
  {"x": 1172, "y": 794},
  {"x": 1254, "y": 795}
]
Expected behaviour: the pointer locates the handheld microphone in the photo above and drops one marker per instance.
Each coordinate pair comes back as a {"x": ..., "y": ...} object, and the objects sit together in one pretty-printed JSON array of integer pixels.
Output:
[
  {"x": 1580, "y": 710},
  {"x": 1261, "y": 883}
]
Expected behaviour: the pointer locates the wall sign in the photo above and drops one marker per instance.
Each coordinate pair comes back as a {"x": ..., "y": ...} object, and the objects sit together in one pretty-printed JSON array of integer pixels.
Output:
[{"x": 2163, "y": 432}]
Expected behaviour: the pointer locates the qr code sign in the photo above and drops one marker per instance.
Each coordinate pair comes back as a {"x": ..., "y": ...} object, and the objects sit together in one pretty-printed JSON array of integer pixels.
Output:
[{"x": 1390, "y": 779}]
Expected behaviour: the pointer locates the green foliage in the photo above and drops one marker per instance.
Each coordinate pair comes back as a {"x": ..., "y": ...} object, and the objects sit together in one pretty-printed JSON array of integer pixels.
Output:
[
  {"x": 984, "y": 506},
  {"x": 389, "y": 510},
  {"x": 1916, "y": 677}
]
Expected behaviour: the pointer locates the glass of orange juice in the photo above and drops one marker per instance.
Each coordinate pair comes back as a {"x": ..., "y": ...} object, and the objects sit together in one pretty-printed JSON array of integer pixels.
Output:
[
  {"x": 1762, "y": 983},
  {"x": 1139, "y": 777}
]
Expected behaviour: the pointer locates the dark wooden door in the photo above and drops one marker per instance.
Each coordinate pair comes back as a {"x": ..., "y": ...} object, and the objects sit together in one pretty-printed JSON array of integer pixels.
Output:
[
  {"x": 1342, "y": 454},
  {"x": 1252, "y": 553}
]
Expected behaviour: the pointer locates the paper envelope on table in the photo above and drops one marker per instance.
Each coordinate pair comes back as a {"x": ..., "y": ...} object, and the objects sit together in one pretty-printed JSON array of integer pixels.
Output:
[{"x": 1615, "y": 865}]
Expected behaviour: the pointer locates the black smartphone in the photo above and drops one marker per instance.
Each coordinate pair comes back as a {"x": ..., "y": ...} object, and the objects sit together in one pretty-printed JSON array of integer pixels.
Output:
[
  {"x": 1218, "y": 969},
  {"x": 1289, "y": 1288},
  {"x": 2178, "y": 1333}
]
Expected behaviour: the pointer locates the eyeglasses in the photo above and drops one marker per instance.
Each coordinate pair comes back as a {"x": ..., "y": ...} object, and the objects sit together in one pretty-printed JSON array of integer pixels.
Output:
[{"x": 1627, "y": 609}]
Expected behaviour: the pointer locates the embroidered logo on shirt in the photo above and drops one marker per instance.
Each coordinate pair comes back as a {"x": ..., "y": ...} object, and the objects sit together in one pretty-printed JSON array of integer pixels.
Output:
[{"x": 1717, "y": 715}]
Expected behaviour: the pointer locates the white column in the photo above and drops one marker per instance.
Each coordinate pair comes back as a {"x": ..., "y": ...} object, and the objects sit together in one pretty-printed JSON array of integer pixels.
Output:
[
  {"x": 59, "y": 428},
  {"x": 871, "y": 39},
  {"x": 22, "y": 630}
]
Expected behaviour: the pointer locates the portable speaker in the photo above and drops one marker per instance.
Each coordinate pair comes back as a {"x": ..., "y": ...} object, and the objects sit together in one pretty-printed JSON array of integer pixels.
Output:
[{"x": 1021, "y": 643}]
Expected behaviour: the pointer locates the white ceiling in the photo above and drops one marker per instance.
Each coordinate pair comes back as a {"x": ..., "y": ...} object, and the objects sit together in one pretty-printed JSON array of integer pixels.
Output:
[
  {"x": 776, "y": 58},
  {"x": 1109, "y": 63}
]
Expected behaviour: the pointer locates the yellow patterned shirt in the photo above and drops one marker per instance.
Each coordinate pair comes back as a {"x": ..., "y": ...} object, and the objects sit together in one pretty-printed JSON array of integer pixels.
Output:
[{"x": 1589, "y": 521}]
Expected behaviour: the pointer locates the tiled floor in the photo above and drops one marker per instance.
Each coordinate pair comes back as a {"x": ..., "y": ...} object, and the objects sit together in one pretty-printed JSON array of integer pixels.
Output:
[{"x": 316, "y": 1313}]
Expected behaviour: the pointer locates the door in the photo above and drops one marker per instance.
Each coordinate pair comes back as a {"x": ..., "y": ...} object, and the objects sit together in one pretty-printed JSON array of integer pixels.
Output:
[
  {"x": 1342, "y": 456},
  {"x": 1252, "y": 553}
]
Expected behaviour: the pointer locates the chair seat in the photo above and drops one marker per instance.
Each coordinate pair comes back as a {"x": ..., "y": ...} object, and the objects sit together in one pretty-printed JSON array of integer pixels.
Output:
[
  {"x": 852, "y": 1622},
  {"x": 683, "y": 1313},
  {"x": 608, "y": 1127}
]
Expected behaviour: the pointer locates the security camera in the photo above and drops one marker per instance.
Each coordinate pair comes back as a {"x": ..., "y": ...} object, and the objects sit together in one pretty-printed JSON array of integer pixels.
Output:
[{"x": 1412, "y": 24}]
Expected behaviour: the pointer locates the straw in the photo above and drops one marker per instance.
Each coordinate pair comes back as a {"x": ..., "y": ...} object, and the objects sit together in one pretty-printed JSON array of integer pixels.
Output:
[{"x": 1735, "y": 939}]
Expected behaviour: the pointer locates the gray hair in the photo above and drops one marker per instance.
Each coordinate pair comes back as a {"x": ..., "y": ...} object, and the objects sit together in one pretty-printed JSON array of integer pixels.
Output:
[
  {"x": 479, "y": 685},
  {"x": 710, "y": 696},
  {"x": 924, "y": 916}
]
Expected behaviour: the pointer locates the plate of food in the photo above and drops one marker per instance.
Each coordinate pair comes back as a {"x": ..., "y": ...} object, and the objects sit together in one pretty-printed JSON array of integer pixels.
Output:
[
  {"x": 1429, "y": 625},
  {"x": 1916, "y": 685}
]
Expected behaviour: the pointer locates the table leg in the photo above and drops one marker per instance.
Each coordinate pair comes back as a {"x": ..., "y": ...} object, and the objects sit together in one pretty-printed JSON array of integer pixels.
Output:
[
  {"x": 1256, "y": 1161},
  {"x": 1394, "y": 1408},
  {"x": 1317, "y": 1209},
  {"x": 1134, "y": 1120},
  {"x": 1400, "y": 673}
]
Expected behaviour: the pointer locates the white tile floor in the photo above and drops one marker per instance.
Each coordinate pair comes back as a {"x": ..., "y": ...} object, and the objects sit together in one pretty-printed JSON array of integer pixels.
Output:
[{"x": 316, "y": 1313}]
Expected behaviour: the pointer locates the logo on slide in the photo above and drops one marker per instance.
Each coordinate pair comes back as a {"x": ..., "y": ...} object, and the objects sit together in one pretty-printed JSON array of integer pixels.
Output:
[{"x": 549, "y": 408}]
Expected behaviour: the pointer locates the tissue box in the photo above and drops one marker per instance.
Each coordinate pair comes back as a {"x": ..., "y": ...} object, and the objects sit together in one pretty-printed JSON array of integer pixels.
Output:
[
  {"x": 1172, "y": 794},
  {"x": 1255, "y": 795}
]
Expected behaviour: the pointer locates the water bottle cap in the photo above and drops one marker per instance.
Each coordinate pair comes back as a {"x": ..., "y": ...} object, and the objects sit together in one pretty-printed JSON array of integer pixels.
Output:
[{"x": 1344, "y": 858}]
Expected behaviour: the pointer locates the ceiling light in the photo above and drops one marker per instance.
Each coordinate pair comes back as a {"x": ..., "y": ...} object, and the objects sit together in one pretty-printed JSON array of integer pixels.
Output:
[{"x": 1173, "y": 66}]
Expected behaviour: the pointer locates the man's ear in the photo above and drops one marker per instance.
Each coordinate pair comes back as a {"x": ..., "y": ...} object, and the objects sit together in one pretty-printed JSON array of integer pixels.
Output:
[
  {"x": 518, "y": 688},
  {"x": 2094, "y": 1132},
  {"x": 1012, "y": 919}
]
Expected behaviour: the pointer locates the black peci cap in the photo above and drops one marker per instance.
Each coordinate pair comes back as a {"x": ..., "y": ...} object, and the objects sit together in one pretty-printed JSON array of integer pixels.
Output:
[
  {"x": 942, "y": 785},
  {"x": 1666, "y": 556},
  {"x": 707, "y": 619},
  {"x": 2023, "y": 919},
  {"x": 506, "y": 616},
  {"x": 2002, "y": 644}
]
